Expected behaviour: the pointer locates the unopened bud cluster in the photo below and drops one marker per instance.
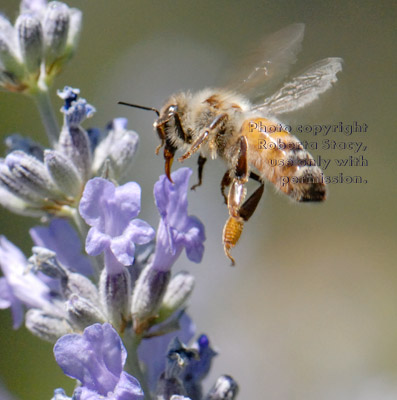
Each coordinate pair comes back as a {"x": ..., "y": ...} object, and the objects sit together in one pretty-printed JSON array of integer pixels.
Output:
[
  {"x": 39, "y": 182},
  {"x": 79, "y": 303},
  {"x": 33, "y": 51}
]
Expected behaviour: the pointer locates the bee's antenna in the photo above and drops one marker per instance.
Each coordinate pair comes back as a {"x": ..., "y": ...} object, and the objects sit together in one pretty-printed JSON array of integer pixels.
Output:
[{"x": 141, "y": 107}]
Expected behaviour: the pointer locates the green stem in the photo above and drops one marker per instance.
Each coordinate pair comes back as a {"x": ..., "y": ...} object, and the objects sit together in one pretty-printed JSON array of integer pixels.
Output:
[
  {"x": 133, "y": 366},
  {"x": 43, "y": 102}
]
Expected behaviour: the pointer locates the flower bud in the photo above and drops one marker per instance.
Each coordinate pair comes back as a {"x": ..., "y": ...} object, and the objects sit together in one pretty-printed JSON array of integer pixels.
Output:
[
  {"x": 115, "y": 295},
  {"x": 117, "y": 149},
  {"x": 17, "y": 188},
  {"x": 45, "y": 326},
  {"x": 75, "y": 18},
  {"x": 6, "y": 27},
  {"x": 83, "y": 312},
  {"x": 177, "y": 293},
  {"x": 225, "y": 388},
  {"x": 148, "y": 293},
  {"x": 74, "y": 144},
  {"x": 12, "y": 69},
  {"x": 78, "y": 284},
  {"x": 32, "y": 174},
  {"x": 30, "y": 37},
  {"x": 16, "y": 204},
  {"x": 63, "y": 173},
  {"x": 56, "y": 27}
]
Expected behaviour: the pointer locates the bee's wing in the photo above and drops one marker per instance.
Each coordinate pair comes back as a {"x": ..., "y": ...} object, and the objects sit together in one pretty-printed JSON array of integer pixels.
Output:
[
  {"x": 303, "y": 88},
  {"x": 262, "y": 70}
]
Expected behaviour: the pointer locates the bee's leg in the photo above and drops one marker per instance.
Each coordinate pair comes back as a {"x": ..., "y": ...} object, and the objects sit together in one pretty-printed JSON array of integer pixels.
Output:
[
  {"x": 256, "y": 177},
  {"x": 161, "y": 134},
  {"x": 249, "y": 206},
  {"x": 169, "y": 152},
  {"x": 181, "y": 132},
  {"x": 234, "y": 225},
  {"x": 169, "y": 149},
  {"x": 201, "y": 161},
  {"x": 225, "y": 182},
  {"x": 237, "y": 192},
  {"x": 204, "y": 136}
]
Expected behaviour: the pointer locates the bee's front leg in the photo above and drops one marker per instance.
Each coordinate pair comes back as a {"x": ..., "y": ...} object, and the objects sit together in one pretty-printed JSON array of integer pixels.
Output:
[
  {"x": 205, "y": 135},
  {"x": 169, "y": 148}
]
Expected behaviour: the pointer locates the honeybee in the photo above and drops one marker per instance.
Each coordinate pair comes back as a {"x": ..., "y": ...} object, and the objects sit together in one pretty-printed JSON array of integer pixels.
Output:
[{"x": 225, "y": 123}]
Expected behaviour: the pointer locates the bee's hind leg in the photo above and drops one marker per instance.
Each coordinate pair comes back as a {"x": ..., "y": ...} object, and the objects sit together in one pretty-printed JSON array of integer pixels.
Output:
[
  {"x": 234, "y": 225},
  {"x": 200, "y": 162},
  {"x": 240, "y": 211}
]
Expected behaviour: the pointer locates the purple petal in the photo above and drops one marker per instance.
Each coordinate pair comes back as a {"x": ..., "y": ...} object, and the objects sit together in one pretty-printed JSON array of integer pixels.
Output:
[
  {"x": 171, "y": 199},
  {"x": 176, "y": 230},
  {"x": 111, "y": 212},
  {"x": 61, "y": 238},
  {"x": 128, "y": 388},
  {"x": 141, "y": 232},
  {"x": 8, "y": 300},
  {"x": 123, "y": 248},
  {"x": 96, "y": 242},
  {"x": 128, "y": 196},
  {"x": 104, "y": 206},
  {"x": 23, "y": 284},
  {"x": 95, "y": 358},
  {"x": 193, "y": 240},
  {"x": 94, "y": 201}
]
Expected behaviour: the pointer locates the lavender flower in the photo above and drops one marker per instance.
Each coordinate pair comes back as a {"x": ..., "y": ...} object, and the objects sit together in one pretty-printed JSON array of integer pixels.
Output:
[
  {"x": 96, "y": 358},
  {"x": 19, "y": 286},
  {"x": 177, "y": 230},
  {"x": 111, "y": 212}
]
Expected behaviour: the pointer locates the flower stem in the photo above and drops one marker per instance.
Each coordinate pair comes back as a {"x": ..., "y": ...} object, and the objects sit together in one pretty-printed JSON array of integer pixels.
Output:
[
  {"x": 131, "y": 342},
  {"x": 43, "y": 102}
]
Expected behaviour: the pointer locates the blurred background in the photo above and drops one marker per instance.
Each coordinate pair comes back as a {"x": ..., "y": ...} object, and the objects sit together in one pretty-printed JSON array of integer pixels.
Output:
[{"x": 310, "y": 310}]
